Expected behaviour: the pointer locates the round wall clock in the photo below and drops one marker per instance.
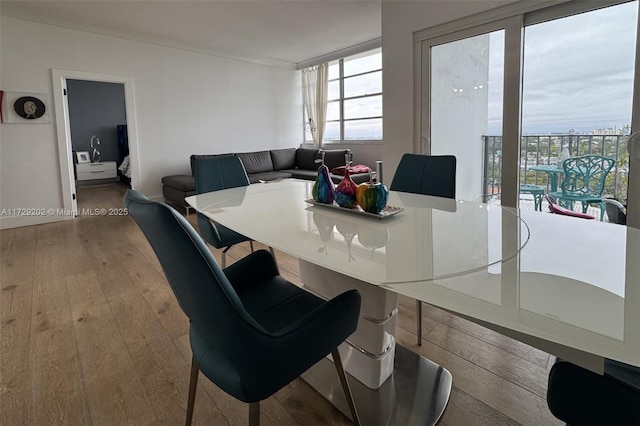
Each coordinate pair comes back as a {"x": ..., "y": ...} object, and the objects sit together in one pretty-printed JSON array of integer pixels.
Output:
[{"x": 29, "y": 107}]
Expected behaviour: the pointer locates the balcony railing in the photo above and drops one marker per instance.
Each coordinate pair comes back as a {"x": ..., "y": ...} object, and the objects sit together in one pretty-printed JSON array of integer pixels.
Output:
[{"x": 545, "y": 149}]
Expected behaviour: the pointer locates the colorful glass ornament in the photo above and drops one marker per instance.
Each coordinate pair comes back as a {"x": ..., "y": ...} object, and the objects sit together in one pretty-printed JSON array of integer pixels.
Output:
[
  {"x": 323, "y": 188},
  {"x": 345, "y": 193},
  {"x": 372, "y": 196}
]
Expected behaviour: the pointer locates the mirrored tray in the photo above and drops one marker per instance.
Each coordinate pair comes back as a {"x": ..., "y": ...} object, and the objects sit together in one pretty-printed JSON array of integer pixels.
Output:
[{"x": 388, "y": 211}]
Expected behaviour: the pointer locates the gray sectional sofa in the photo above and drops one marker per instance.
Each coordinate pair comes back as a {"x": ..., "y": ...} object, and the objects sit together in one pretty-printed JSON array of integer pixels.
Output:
[{"x": 265, "y": 166}]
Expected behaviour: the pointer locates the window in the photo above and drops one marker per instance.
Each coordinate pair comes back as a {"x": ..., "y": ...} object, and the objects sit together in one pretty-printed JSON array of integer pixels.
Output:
[{"x": 354, "y": 107}]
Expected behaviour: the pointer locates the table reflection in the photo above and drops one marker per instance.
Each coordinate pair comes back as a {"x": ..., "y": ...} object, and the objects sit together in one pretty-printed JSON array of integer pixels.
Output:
[{"x": 421, "y": 243}]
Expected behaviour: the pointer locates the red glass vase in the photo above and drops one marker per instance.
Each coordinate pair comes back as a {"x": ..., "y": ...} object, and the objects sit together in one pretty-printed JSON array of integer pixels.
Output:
[{"x": 345, "y": 193}]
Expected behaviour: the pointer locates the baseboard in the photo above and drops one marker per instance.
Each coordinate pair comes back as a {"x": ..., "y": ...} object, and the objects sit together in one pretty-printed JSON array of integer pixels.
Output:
[
  {"x": 47, "y": 216},
  {"x": 8, "y": 222}
]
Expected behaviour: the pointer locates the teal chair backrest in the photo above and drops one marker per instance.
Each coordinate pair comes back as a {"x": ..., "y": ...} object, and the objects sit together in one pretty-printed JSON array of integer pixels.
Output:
[
  {"x": 215, "y": 174},
  {"x": 202, "y": 289},
  {"x": 427, "y": 175},
  {"x": 585, "y": 175}
]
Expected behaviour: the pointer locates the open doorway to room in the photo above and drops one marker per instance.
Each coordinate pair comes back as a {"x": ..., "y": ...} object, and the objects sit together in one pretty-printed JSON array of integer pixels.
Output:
[
  {"x": 97, "y": 138},
  {"x": 99, "y": 141}
]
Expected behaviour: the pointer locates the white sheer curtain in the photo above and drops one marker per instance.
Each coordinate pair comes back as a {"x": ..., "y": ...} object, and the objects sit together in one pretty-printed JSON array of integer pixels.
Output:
[{"x": 315, "y": 88}]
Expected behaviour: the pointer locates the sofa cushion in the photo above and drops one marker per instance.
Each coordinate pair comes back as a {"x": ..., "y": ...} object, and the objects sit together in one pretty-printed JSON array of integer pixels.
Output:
[
  {"x": 283, "y": 158},
  {"x": 334, "y": 157},
  {"x": 256, "y": 162},
  {"x": 303, "y": 174},
  {"x": 306, "y": 159},
  {"x": 268, "y": 176},
  {"x": 180, "y": 182},
  {"x": 176, "y": 196},
  {"x": 205, "y": 156},
  {"x": 313, "y": 174}
]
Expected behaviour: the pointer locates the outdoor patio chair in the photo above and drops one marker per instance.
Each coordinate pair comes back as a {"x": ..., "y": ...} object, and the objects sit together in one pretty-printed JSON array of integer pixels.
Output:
[
  {"x": 616, "y": 211},
  {"x": 584, "y": 179},
  {"x": 536, "y": 191}
]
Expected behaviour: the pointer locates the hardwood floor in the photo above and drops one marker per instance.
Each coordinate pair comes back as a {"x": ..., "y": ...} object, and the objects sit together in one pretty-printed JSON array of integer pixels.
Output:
[{"x": 92, "y": 335}]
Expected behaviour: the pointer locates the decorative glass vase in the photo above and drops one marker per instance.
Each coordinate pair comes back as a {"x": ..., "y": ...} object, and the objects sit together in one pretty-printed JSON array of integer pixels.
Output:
[
  {"x": 323, "y": 188},
  {"x": 345, "y": 193},
  {"x": 372, "y": 196}
]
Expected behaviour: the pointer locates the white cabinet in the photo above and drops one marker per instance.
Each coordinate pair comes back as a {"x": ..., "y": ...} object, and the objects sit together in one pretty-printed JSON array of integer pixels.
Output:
[{"x": 92, "y": 171}]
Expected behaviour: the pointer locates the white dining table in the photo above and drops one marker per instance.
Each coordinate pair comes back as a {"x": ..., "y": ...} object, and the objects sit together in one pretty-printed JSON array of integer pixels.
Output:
[{"x": 567, "y": 286}]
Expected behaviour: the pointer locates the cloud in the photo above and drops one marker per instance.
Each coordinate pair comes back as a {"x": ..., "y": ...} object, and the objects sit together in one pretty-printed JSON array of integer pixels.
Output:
[{"x": 578, "y": 72}]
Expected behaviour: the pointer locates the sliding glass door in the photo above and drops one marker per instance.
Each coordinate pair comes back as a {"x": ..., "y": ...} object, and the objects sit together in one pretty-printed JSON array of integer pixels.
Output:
[{"x": 511, "y": 98}]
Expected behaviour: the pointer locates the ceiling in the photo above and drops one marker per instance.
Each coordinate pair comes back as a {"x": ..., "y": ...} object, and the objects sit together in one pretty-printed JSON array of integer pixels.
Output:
[{"x": 275, "y": 32}]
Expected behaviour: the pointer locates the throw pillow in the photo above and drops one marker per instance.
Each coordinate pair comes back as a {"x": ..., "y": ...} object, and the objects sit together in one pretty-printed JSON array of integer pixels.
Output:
[{"x": 358, "y": 168}]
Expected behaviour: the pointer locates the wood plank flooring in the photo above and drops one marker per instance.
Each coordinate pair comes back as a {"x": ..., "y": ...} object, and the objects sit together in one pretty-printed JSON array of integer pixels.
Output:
[{"x": 90, "y": 334}]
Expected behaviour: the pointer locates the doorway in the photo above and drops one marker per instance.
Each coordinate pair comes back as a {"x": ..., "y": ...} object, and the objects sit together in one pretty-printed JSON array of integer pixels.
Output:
[
  {"x": 97, "y": 119},
  {"x": 65, "y": 82}
]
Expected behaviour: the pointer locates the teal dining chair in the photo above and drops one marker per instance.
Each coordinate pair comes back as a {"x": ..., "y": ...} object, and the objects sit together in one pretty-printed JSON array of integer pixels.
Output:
[
  {"x": 427, "y": 175},
  {"x": 581, "y": 397},
  {"x": 214, "y": 174},
  {"x": 251, "y": 331},
  {"x": 584, "y": 180}
]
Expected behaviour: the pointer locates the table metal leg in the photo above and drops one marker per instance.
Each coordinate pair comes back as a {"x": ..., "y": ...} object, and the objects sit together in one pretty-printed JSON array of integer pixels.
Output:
[
  {"x": 392, "y": 386},
  {"x": 415, "y": 394}
]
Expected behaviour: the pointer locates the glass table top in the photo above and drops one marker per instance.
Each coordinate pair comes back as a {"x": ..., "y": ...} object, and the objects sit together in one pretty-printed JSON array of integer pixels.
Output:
[
  {"x": 560, "y": 279},
  {"x": 432, "y": 238}
]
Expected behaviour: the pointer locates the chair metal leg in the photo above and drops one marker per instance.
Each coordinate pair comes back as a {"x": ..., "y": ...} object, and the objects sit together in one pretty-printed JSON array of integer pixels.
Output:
[
  {"x": 585, "y": 207},
  {"x": 345, "y": 386},
  {"x": 193, "y": 383},
  {"x": 224, "y": 256},
  {"x": 254, "y": 414},
  {"x": 251, "y": 244},
  {"x": 419, "y": 321},
  {"x": 273, "y": 254}
]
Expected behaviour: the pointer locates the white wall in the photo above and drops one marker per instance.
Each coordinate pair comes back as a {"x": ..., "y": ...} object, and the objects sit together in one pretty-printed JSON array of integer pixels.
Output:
[
  {"x": 186, "y": 103},
  {"x": 400, "y": 19},
  {"x": 459, "y": 119}
]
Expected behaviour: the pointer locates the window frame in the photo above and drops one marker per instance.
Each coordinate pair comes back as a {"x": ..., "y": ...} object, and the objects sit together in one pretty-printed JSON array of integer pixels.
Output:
[{"x": 341, "y": 101}]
